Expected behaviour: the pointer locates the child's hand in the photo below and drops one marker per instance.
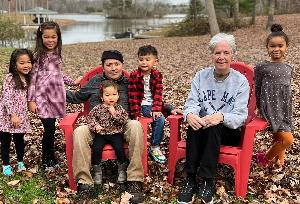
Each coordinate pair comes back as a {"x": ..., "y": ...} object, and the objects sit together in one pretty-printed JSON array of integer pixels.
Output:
[
  {"x": 32, "y": 106},
  {"x": 156, "y": 115},
  {"x": 112, "y": 110},
  {"x": 258, "y": 114},
  {"x": 98, "y": 128},
  {"x": 15, "y": 120},
  {"x": 177, "y": 111},
  {"x": 77, "y": 81}
]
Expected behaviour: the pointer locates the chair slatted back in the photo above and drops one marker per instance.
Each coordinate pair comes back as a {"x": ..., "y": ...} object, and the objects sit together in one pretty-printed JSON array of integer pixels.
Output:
[{"x": 248, "y": 72}]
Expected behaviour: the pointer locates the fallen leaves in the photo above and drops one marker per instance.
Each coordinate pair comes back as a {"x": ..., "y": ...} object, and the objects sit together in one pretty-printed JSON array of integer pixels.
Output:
[{"x": 180, "y": 59}]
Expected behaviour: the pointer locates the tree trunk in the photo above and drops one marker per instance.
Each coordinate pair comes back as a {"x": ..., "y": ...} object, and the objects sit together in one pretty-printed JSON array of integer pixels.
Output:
[
  {"x": 123, "y": 7},
  {"x": 261, "y": 7},
  {"x": 212, "y": 19},
  {"x": 271, "y": 13},
  {"x": 236, "y": 12},
  {"x": 253, "y": 12}
]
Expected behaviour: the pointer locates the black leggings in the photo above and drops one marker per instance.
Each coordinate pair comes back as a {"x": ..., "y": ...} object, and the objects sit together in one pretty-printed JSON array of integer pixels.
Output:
[
  {"x": 5, "y": 138},
  {"x": 115, "y": 140},
  {"x": 48, "y": 138}
]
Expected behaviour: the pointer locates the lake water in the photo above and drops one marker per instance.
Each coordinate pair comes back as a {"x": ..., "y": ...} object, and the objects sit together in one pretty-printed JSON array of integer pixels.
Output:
[{"x": 95, "y": 28}]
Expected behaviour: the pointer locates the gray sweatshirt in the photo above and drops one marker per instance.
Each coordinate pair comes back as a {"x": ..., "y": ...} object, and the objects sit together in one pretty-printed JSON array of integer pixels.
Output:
[{"x": 229, "y": 97}]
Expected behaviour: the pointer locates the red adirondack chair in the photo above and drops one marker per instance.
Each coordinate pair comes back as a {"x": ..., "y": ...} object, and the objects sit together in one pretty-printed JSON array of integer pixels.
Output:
[
  {"x": 237, "y": 157},
  {"x": 67, "y": 124}
]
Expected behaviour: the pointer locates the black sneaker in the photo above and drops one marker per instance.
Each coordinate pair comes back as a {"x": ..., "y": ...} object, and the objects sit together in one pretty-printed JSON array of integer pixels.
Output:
[
  {"x": 206, "y": 192},
  {"x": 84, "y": 192},
  {"x": 49, "y": 165},
  {"x": 135, "y": 189},
  {"x": 186, "y": 194}
]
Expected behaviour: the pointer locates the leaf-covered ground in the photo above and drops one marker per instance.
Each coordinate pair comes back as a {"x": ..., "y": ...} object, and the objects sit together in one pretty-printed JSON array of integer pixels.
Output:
[{"x": 180, "y": 58}]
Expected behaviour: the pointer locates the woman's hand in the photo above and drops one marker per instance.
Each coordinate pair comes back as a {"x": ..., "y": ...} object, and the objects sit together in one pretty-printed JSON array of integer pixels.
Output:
[
  {"x": 15, "y": 120},
  {"x": 195, "y": 121},
  {"x": 214, "y": 119},
  {"x": 32, "y": 106}
]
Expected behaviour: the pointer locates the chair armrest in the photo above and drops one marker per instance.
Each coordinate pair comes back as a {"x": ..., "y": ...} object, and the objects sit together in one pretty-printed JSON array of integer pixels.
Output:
[
  {"x": 67, "y": 124},
  {"x": 69, "y": 121},
  {"x": 175, "y": 124},
  {"x": 256, "y": 125}
]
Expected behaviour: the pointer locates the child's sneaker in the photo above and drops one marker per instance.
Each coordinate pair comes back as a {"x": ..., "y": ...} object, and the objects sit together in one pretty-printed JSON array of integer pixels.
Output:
[
  {"x": 7, "y": 170},
  {"x": 262, "y": 160},
  {"x": 157, "y": 155},
  {"x": 21, "y": 167}
]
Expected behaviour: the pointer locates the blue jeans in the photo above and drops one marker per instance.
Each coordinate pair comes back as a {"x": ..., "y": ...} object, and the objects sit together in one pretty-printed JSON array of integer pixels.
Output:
[{"x": 157, "y": 125}]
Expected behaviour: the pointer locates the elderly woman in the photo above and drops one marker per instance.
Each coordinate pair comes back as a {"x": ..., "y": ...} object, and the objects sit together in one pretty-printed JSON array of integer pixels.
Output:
[{"x": 215, "y": 110}]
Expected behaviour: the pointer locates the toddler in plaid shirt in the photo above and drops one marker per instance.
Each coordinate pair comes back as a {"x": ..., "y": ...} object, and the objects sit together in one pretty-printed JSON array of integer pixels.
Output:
[{"x": 145, "y": 96}]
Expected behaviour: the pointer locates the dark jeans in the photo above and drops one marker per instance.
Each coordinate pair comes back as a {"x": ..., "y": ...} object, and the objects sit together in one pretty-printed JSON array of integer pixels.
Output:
[
  {"x": 115, "y": 140},
  {"x": 203, "y": 148},
  {"x": 157, "y": 126},
  {"x": 48, "y": 139},
  {"x": 5, "y": 139}
]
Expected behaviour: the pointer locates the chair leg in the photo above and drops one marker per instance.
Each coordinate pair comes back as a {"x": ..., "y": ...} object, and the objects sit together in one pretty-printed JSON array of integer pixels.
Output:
[
  {"x": 145, "y": 124},
  {"x": 243, "y": 183},
  {"x": 69, "y": 156},
  {"x": 171, "y": 173}
]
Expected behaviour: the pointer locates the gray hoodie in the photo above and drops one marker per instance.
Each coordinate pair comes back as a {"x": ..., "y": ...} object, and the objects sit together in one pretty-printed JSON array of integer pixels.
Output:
[{"x": 229, "y": 97}]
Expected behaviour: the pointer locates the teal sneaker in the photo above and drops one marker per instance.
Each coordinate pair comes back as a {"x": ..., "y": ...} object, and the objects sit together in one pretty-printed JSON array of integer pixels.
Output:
[
  {"x": 21, "y": 167},
  {"x": 7, "y": 170},
  {"x": 157, "y": 155}
]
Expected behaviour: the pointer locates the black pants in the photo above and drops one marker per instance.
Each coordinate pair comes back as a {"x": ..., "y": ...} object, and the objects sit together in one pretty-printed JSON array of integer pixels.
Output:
[
  {"x": 48, "y": 139},
  {"x": 115, "y": 140},
  {"x": 5, "y": 139},
  {"x": 203, "y": 148}
]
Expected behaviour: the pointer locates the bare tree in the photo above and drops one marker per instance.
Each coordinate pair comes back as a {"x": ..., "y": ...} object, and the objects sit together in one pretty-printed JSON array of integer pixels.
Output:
[
  {"x": 271, "y": 13},
  {"x": 253, "y": 12},
  {"x": 236, "y": 12},
  {"x": 212, "y": 19}
]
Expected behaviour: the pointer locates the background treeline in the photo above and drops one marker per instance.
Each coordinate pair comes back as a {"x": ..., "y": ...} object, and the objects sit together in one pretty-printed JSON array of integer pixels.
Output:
[
  {"x": 111, "y": 8},
  {"x": 229, "y": 14}
]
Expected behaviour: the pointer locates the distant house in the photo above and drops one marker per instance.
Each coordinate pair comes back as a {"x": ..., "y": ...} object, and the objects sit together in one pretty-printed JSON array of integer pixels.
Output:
[
  {"x": 40, "y": 14},
  {"x": 3, "y": 11}
]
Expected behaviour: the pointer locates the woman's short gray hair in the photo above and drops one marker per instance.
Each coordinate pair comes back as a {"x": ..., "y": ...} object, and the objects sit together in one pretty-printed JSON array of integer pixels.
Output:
[{"x": 222, "y": 37}]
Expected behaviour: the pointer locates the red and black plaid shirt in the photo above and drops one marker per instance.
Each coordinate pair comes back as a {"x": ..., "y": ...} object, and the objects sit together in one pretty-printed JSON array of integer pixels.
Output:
[{"x": 136, "y": 91}]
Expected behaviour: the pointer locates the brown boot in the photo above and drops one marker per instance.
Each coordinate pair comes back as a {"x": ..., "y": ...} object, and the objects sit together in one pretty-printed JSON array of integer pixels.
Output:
[
  {"x": 97, "y": 174},
  {"x": 122, "y": 174}
]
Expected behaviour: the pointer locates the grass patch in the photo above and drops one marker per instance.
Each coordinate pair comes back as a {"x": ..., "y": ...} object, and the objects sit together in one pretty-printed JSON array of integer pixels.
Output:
[{"x": 38, "y": 188}]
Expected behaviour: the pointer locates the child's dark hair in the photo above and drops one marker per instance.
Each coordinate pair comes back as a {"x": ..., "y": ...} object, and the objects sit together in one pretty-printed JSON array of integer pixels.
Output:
[
  {"x": 147, "y": 50},
  {"x": 40, "y": 50},
  {"x": 277, "y": 31},
  {"x": 108, "y": 83},
  {"x": 13, "y": 67}
]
